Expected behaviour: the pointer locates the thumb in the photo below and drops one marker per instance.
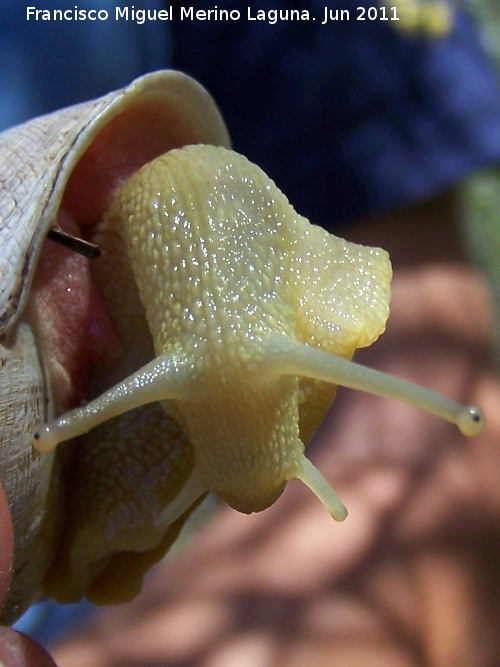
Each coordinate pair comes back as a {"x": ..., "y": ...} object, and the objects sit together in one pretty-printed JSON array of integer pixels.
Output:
[{"x": 16, "y": 649}]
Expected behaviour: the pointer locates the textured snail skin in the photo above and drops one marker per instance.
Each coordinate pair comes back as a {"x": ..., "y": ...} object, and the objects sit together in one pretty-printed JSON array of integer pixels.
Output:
[
  {"x": 240, "y": 319},
  {"x": 229, "y": 280}
]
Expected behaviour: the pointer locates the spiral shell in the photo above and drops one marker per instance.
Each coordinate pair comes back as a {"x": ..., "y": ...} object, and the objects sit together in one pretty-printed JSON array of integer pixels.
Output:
[{"x": 112, "y": 135}]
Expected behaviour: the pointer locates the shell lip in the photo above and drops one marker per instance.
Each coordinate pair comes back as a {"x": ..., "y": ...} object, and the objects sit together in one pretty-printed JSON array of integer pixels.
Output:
[{"x": 183, "y": 98}]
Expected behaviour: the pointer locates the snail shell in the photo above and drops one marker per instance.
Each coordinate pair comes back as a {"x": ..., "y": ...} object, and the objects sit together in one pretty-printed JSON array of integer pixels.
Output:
[
  {"x": 109, "y": 138},
  {"x": 224, "y": 322}
]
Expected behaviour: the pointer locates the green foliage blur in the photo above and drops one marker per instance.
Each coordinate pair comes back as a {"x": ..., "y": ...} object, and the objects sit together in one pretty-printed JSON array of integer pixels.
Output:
[
  {"x": 487, "y": 13},
  {"x": 481, "y": 194}
]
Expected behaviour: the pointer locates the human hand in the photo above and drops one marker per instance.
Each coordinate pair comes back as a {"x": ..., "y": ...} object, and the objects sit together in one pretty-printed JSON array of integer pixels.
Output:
[{"x": 16, "y": 649}]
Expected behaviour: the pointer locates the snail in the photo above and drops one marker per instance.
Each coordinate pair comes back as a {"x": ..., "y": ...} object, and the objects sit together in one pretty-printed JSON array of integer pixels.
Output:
[{"x": 223, "y": 322}]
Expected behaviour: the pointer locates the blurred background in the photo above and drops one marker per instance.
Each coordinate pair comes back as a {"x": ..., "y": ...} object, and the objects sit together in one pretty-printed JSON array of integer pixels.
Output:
[
  {"x": 46, "y": 66},
  {"x": 482, "y": 192}
]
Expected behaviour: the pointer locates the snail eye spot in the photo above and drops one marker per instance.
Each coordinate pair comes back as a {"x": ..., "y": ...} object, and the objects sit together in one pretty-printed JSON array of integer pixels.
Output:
[{"x": 471, "y": 420}]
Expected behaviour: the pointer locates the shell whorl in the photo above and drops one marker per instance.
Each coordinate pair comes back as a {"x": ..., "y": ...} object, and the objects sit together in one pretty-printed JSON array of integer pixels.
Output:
[{"x": 38, "y": 160}]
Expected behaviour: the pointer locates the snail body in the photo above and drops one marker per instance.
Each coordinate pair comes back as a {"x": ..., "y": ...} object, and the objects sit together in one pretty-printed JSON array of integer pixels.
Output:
[
  {"x": 231, "y": 321},
  {"x": 218, "y": 291}
]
